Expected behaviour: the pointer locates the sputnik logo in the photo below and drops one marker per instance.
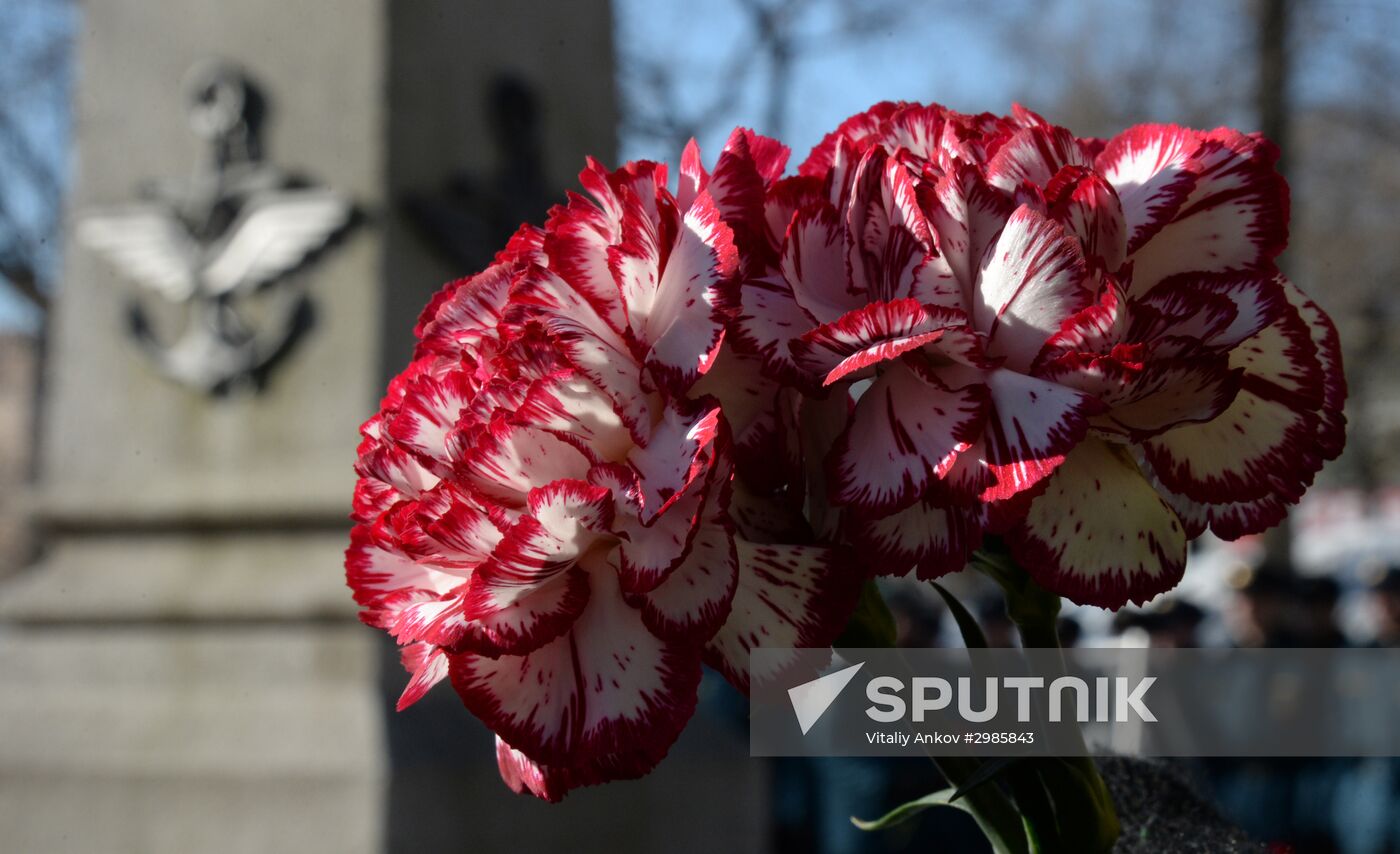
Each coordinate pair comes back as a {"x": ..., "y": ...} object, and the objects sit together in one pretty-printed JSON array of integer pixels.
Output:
[{"x": 810, "y": 700}]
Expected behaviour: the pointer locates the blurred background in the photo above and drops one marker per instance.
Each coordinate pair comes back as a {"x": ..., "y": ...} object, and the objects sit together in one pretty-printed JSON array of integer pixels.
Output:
[{"x": 217, "y": 223}]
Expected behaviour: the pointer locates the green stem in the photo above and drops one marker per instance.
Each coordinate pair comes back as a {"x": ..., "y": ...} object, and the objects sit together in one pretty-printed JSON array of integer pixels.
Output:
[
  {"x": 993, "y": 812},
  {"x": 1084, "y": 817}
]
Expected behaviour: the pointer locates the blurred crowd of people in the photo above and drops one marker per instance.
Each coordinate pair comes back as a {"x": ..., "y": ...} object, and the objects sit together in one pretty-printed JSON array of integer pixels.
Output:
[
  {"x": 1350, "y": 806},
  {"x": 1301, "y": 806}
]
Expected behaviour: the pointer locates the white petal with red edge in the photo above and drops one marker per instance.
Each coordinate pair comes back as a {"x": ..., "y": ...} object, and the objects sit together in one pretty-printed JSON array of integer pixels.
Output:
[
  {"x": 1229, "y": 520},
  {"x": 1100, "y": 534},
  {"x": 814, "y": 266},
  {"x": 499, "y": 619},
  {"x": 769, "y": 319},
  {"x": 1030, "y": 427},
  {"x": 935, "y": 540},
  {"x": 966, "y": 219},
  {"x": 647, "y": 553},
  {"x": 1269, "y": 432},
  {"x": 375, "y": 568},
  {"x": 693, "y": 600},
  {"x": 1086, "y": 205},
  {"x": 575, "y": 408},
  {"x": 907, "y": 430},
  {"x": 1332, "y": 425},
  {"x": 1034, "y": 155},
  {"x": 1032, "y": 280},
  {"x": 677, "y": 453},
  {"x": 427, "y": 665},
  {"x": 1188, "y": 306},
  {"x": 607, "y": 685},
  {"x": 887, "y": 234},
  {"x": 1236, "y": 217},
  {"x": 1095, "y": 329},
  {"x": 1149, "y": 167},
  {"x": 397, "y": 468},
  {"x": 587, "y": 342},
  {"x": 1169, "y": 394},
  {"x": 471, "y": 312},
  {"x": 789, "y": 597},
  {"x": 683, "y": 324},
  {"x": 505, "y": 461},
  {"x": 868, "y": 336},
  {"x": 577, "y": 243},
  {"x": 464, "y": 534},
  {"x": 429, "y": 411}
]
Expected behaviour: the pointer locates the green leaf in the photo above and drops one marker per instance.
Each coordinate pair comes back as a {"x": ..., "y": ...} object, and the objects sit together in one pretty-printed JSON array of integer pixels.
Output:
[
  {"x": 904, "y": 812},
  {"x": 967, "y": 624},
  {"x": 872, "y": 624},
  {"x": 986, "y": 771}
]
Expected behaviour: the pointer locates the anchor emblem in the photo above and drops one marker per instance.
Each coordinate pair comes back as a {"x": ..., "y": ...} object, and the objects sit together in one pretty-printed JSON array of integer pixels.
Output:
[{"x": 215, "y": 251}]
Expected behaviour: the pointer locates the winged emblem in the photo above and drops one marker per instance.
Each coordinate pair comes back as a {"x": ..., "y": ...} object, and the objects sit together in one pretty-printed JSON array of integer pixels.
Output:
[{"x": 210, "y": 247}]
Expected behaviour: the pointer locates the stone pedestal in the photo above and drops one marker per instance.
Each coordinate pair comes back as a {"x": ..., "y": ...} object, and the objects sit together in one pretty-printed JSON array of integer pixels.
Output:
[{"x": 183, "y": 670}]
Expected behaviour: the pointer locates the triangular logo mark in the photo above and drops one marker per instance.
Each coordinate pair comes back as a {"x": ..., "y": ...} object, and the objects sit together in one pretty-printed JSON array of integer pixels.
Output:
[{"x": 810, "y": 700}]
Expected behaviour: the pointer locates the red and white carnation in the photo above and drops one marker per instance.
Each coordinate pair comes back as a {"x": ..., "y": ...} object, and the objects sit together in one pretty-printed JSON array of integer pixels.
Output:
[
  {"x": 546, "y": 511},
  {"x": 634, "y": 443},
  {"x": 1083, "y": 346}
]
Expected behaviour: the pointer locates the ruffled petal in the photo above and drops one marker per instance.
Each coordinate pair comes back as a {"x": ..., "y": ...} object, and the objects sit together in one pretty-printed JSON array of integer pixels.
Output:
[
  {"x": 505, "y": 461},
  {"x": 1100, "y": 534},
  {"x": 932, "y": 539},
  {"x": 1235, "y": 218},
  {"x": 887, "y": 234},
  {"x": 430, "y": 409},
  {"x": 966, "y": 216},
  {"x": 1332, "y": 422},
  {"x": 551, "y": 782},
  {"x": 1032, "y": 425},
  {"x": 907, "y": 430},
  {"x": 1033, "y": 156},
  {"x": 684, "y": 322},
  {"x": 814, "y": 266},
  {"x": 680, "y": 450},
  {"x": 607, "y": 686},
  {"x": 876, "y": 333},
  {"x": 1031, "y": 283},
  {"x": 427, "y": 666},
  {"x": 1149, "y": 167},
  {"x": 769, "y": 319},
  {"x": 693, "y": 600},
  {"x": 789, "y": 597},
  {"x": 588, "y": 342},
  {"x": 1088, "y": 208},
  {"x": 1169, "y": 394},
  {"x": 1268, "y": 433}
]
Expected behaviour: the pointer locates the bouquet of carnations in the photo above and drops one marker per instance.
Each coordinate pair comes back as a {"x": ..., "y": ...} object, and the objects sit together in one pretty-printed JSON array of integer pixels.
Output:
[{"x": 681, "y": 420}]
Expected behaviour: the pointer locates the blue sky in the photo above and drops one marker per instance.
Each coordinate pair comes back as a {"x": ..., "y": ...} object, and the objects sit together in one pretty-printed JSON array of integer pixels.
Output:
[{"x": 971, "y": 57}]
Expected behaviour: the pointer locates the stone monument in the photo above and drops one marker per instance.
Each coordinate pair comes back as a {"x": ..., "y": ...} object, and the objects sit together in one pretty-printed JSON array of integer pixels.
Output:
[{"x": 183, "y": 670}]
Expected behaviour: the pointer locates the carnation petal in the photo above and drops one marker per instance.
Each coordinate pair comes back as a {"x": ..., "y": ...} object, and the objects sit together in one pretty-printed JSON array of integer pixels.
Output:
[
  {"x": 1100, "y": 534},
  {"x": 876, "y": 333},
  {"x": 789, "y": 597},
  {"x": 693, "y": 599},
  {"x": 427, "y": 665},
  {"x": 1032, "y": 424},
  {"x": 907, "y": 430},
  {"x": 606, "y": 686},
  {"x": 1332, "y": 424},
  {"x": 1032, "y": 281},
  {"x": 1149, "y": 167},
  {"x": 1269, "y": 431},
  {"x": 935, "y": 540},
  {"x": 1034, "y": 155},
  {"x": 1235, "y": 218}
]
